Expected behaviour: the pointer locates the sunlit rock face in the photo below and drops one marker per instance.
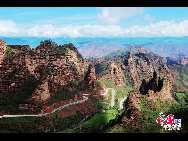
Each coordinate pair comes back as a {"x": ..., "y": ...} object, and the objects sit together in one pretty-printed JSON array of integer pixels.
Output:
[
  {"x": 90, "y": 77},
  {"x": 132, "y": 105},
  {"x": 116, "y": 74},
  {"x": 50, "y": 65},
  {"x": 157, "y": 88}
]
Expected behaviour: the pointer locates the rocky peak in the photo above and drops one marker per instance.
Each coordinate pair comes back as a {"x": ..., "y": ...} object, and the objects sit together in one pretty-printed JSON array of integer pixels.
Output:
[
  {"x": 113, "y": 69},
  {"x": 140, "y": 49},
  {"x": 116, "y": 74},
  {"x": 90, "y": 77},
  {"x": 42, "y": 92},
  {"x": 47, "y": 44},
  {"x": 155, "y": 84},
  {"x": 53, "y": 67},
  {"x": 132, "y": 105},
  {"x": 46, "y": 47},
  {"x": 2, "y": 42},
  {"x": 157, "y": 88},
  {"x": 3, "y": 48}
]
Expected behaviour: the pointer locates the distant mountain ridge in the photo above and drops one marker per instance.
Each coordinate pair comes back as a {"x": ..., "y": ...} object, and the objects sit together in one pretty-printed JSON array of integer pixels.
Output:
[
  {"x": 98, "y": 47},
  {"x": 124, "y": 51}
]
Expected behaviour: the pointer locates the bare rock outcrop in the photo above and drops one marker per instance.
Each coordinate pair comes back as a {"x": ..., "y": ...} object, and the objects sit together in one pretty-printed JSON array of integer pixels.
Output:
[
  {"x": 90, "y": 77},
  {"x": 132, "y": 105},
  {"x": 53, "y": 66},
  {"x": 157, "y": 88},
  {"x": 3, "y": 48},
  {"x": 116, "y": 74}
]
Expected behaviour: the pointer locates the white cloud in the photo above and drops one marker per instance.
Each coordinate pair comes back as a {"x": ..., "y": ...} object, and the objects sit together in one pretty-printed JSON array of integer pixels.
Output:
[
  {"x": 113, "y": 15},
  {"x": 149, "y": 18},
  {"x": 9, "y": 28},
  {"x": 161, "y": 29}
]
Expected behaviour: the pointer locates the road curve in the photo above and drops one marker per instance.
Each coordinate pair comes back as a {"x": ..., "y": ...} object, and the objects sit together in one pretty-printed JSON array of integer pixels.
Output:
[
  {"x": 72, "y": 103},
  {"x": 113, "y": 95},
  {"x": 121, "y": 103},
  {"x": 55, "y": 110}
]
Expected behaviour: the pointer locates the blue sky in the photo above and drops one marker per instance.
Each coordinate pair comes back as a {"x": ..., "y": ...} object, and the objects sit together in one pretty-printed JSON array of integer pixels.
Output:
[{"x": 93, "y": 21}]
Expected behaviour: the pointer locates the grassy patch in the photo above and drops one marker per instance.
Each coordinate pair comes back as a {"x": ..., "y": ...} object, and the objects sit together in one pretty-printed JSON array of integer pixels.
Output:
[
  {"x": 183, "y": 97},
  {"x": 107, "y": 83},
  {"x": 120, "y": 91},
  {"x": 150, "y": 111},
  {"x": 9, "y": 50},
  {"x": 97, "y": 104},
  {"x": 39, "y": 124},
  {"x": 99, "y": 121}
]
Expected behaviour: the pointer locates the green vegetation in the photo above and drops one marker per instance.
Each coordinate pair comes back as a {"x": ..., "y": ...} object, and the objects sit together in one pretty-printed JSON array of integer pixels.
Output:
[
  {"x": 97, "y": 104},
  {"x": 150, "y": 112},
  {"x": 165, "y": 83},
  {"x": 120, "y": 91},
  {"x": 107, "y": 83},
  {"x": 101, "y": 68},
  {"x": 66, "y": 123},
  {"x": 61, "y": 49},
  {"x": 117, "y": 129},
  {"x": 68, "y": 131},
  {"x": 99, "y": 121},
  {"x": 59, "y": 96},
  {"x": 181, "y": 74},
  {"x": 19, "y": 97},
  {"x": 99, "y": 85},
  {"x": 67, "y": 49},
  {"x": 182, "y": 97},
  {"x": 9, "y": 50},
  {"x": 39, "y": 124}
]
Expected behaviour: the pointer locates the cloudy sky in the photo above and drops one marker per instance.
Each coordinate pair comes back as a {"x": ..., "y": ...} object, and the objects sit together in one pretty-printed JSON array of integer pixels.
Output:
[{"x": 93, "y": 21}]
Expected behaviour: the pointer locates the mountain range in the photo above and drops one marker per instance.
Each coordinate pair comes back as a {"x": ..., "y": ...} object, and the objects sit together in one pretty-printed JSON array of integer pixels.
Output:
[
  {"x": 99, "y": 47},
  {"x": 52, "y": 74}
]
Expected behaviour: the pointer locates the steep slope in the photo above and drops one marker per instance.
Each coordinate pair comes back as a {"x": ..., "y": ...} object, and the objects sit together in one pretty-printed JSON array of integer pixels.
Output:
[
  {"x": 136, "y": 64},
  {"x": 153, "y": 84},
  {"x": 177, "y": 61},
  {"x": 47, "y": 74},
  {"x": 180, "y": 77}
]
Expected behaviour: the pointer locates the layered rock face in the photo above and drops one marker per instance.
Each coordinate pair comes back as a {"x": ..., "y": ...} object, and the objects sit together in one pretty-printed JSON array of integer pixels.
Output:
[
  {"x": 154, "y": 84},
  {"x": 13, "y": 70},
  {"x": 90, "y": 77},
  {"x": 134, "y": 66},
  {"x": 132, "y": 116},
  {"x": 180, "y": 79},
  {"x": 157, "y": 88},
  {"x": 51, "y": 65},
  {"x": 132, "y": 105},
  {"x": 3, "y": 48},
  {"x": 142, "y": 66},
  {"x": 177, "y": 61},
  {"x": 116, "y": 74}
]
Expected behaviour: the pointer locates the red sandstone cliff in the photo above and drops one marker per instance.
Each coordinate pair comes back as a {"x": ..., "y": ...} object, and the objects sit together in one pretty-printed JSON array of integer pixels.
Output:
[{"x": 53, "y": 66}]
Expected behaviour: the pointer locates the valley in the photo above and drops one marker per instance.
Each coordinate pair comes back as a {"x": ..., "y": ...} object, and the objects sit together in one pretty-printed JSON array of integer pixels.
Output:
[{"x": 54, "y": 89}]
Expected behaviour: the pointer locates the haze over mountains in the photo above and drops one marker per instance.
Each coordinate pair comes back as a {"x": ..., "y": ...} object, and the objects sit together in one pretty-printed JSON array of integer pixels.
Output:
[{"x": 99, "y": 47}]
